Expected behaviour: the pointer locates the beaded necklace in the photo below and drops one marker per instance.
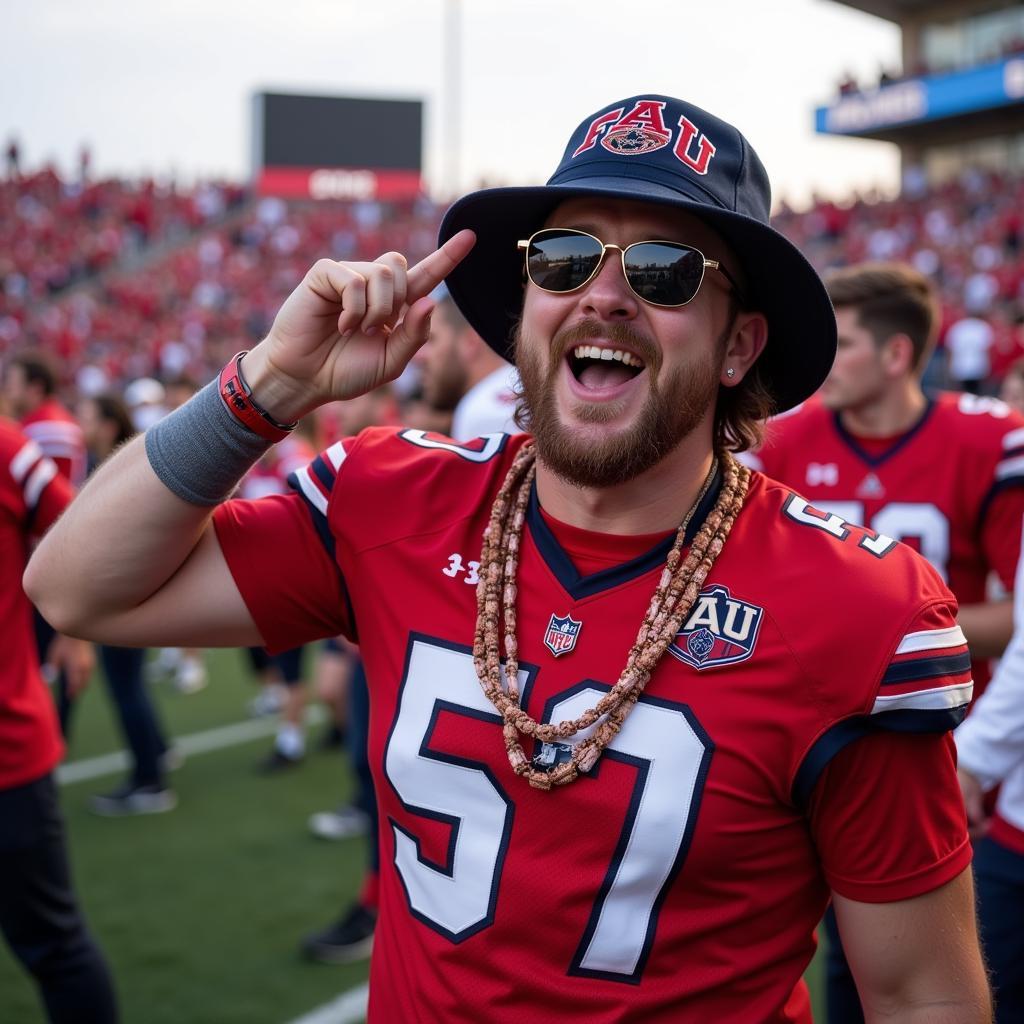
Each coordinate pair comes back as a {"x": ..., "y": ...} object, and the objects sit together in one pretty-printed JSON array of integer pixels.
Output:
[{"x": 680, "y": 583}]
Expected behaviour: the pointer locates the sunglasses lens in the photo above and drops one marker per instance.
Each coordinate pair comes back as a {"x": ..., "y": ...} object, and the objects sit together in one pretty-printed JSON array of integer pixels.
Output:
[
  {"x": 666, "y": 275},
  {"x": 559, "y": 261}
]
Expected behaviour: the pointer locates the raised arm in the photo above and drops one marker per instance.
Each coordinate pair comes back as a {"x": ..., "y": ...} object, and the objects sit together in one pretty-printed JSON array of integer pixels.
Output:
[{"x": 132, "y": 562}]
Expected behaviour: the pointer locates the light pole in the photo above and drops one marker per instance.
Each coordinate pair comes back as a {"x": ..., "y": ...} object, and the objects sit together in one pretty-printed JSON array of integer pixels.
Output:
[{"x": 452, "y": 55}]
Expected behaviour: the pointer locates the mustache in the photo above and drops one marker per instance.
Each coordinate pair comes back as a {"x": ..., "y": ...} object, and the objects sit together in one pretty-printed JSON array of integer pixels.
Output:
[{"x": 621, "y": 334}]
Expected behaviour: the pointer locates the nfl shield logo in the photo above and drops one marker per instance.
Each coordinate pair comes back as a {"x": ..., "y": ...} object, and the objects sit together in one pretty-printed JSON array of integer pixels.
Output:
[{"x": 560, "y": 636}]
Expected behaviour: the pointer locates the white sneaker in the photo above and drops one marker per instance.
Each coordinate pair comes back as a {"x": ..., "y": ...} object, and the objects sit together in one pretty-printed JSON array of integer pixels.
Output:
[
  {"x": 129, "y": 799},
  {"x": 345, "y": 822},
  {"x": 164, "y": 665},
  {"x": 191, "y": 676},
  {"x": 267, "y": 703}
]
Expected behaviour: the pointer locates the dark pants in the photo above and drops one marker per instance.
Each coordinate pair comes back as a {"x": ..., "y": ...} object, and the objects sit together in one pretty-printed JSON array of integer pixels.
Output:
[
  {"x": 841, "y": 993},
  {"x": 44, "y": 637},
  {"x": 288, "y": 663},
  {"x": 123, "y": 668},
  {"x": 999, "y": 877},
  {"x": 39, "y": 917},
  {"x": 358, "y": 735}
]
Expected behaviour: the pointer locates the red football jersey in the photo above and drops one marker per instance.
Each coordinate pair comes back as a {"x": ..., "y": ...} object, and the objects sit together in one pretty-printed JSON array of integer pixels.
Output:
[
  {"x": 32, "y": 495},
  {"x": 60, "y": 437},
  {"x": 952, "y": 486},
  {"x": 682, "y": 879}
]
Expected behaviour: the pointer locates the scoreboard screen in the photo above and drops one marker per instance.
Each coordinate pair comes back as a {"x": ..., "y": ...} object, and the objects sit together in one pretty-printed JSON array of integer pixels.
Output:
[{"x": 337, "y": 147}]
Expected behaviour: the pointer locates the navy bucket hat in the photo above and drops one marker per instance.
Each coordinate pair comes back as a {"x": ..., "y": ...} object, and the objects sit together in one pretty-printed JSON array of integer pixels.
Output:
[{"x": 664, "y": 151}]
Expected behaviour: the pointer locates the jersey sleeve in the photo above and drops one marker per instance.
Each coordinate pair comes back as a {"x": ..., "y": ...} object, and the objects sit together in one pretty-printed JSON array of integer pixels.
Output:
[
  {"x": 41, "y": 492},
  {"x": 887, "y": 817},
  {"x": 281, "y": 555},
  {"x": 925, "y": 687},
  {"x": 1000, "y": 533},
  {"x": 880, "y": 787}
]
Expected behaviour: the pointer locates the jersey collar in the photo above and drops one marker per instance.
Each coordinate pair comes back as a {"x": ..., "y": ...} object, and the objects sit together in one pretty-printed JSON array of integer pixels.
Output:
[
  {"x": 578, "y": 586},
  {"x": 876, "y": 460}
]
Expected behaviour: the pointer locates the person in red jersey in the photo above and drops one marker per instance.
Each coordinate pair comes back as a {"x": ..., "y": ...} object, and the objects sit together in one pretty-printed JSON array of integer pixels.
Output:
[
  {"x": 635, "y": 711},
  {"x": 30, "y": 392},
  {"x": 943, "y": 473},
  {"x": 30, "y": 395},
  {"x": 39, "y": 915}
]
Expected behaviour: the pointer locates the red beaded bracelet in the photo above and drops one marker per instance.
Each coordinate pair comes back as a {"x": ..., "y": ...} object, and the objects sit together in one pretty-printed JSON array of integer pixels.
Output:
[{"x": 238, "y": 398}]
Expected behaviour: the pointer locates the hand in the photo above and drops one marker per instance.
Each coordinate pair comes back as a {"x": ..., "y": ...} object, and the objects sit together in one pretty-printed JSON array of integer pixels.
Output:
[
  {"x": 76, "y": 657},
  {"x": 974, "y": 801},
  {"x": 347, "y": 329}
]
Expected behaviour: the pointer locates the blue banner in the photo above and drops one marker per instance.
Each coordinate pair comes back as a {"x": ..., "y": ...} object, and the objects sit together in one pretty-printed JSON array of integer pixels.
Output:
[{"x": 915, "y": 100}]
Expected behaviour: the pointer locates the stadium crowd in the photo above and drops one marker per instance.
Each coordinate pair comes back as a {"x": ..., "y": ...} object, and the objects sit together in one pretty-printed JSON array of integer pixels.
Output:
[{"x": 211, "y": 265}]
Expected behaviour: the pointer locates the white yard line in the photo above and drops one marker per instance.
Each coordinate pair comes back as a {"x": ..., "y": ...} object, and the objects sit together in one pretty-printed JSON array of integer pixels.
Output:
[
  {"x": 194, "y": 743},
  {"x": 348, "y": 1008}
]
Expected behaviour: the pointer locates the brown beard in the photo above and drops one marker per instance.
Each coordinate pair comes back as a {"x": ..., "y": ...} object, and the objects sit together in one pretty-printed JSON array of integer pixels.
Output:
[{"x": 673, "y": 410}]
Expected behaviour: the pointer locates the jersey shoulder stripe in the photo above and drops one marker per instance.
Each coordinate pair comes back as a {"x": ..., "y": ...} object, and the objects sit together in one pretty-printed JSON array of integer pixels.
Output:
[
  {"x": 927, "y": 686},
  {"x": 40, "y": 476},
  {"x": 31, "y": 470},
  {"x": 28, "y": 455}
]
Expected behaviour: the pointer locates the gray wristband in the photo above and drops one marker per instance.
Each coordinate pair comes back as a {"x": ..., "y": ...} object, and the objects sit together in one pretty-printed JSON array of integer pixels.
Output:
[{"x": 200, "y": 451}]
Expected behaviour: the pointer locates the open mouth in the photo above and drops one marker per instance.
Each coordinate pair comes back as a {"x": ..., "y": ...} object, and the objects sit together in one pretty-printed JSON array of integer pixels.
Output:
[{"x": 597, "y": 367}]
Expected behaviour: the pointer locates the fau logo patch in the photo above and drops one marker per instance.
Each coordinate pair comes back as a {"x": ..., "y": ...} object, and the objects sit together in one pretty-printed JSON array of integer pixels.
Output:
[
  {"x": 721, "y": 630},
  {"x": 561, "y": 634},
  {"x": 643, "y": 130}
]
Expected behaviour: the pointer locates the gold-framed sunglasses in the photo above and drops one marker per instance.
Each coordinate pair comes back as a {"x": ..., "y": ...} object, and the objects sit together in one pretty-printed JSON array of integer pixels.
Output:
[{"x": 662, "y": 273}]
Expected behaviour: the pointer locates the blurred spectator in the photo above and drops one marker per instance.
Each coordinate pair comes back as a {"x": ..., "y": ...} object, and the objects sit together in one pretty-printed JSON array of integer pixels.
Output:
[
  {"x": 39, "y": 914},
  {"x": 967, "y": 343},
  {"x": 285, "y": 669},
  {"x": 146, "y": 401},
  {"x": 30, "y": 386},
  {"x": 1012, "y": 389},
  {"x": 106, "y": 425},
  {"x": 462, "y": 373},
  {"x": 13, "y": 158}
]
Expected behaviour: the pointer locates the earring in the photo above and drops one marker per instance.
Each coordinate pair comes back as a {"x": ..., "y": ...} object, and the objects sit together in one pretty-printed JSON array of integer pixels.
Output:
[{"x": 730, "y": 373}]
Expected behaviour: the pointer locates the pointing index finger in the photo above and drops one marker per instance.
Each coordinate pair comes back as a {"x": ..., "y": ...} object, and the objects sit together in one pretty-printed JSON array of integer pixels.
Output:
[{"x": 433, "y": 269}]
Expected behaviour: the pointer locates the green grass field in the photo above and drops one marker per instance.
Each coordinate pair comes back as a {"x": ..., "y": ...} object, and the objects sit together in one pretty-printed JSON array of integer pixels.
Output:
[{"x": 200, "y": 911}]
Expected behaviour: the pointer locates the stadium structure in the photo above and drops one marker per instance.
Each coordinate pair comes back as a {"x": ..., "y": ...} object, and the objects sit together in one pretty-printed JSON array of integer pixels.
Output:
[{"x": 958, "y": 100}]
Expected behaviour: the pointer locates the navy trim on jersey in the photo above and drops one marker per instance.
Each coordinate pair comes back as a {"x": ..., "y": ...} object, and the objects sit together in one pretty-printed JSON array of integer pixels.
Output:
[
  {"x": 578, "y": 586},
  {"x": 824, "y": 748},
  {"x": 918, "y": 721},
  {"x": 992, "y": 493},
  {"x": 876, "y": 460},
  {"x": 926, "y": 668},
  {"x": 324, "y": 473},
  {"x": 843, "y": 733},
  {"x": 30, "y": 516},
  {"x": 323, "y": 531}
]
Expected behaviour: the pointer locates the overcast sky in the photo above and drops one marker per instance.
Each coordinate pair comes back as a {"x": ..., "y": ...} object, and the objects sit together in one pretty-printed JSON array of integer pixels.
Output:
[{"x": 164, "y": 86}]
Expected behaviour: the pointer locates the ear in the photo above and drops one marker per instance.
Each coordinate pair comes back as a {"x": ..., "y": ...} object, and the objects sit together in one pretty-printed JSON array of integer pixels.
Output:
[
  {"x": 898, "y": 355},
  {"x": 746, "y": 342}
]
